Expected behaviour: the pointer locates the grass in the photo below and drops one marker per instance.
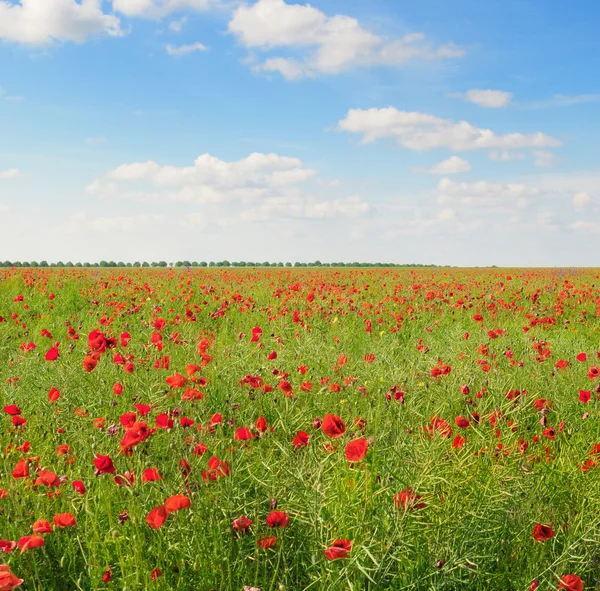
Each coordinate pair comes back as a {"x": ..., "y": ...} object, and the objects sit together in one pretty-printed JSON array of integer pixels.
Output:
[{"x": 482, "y": 500}]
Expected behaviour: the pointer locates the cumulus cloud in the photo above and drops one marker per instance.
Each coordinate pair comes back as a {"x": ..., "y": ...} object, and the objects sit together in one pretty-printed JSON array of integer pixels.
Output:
[
  {"x": 329, "y": 45},
  {"x": 158, "y": 8},
  {"x": 268, "y": 184},
  {"x": 452, "y": 165},
  {"x": 491, "y": 99},
  {"x": 39, "y": 22},
  {"x": 296, "y": 205},
  {"x": 585, "y": 226},
  {"x": 185, "y": 49},
  {"x": 422, "y": 131},
  {"x": 544, "y": 159},
  {"x": 11, "y": 173},
  {"x": 484, "y": 194},
  {"x": 177, "y": 25},
  {"x": 505, "y": 155},
  {"x": 581, "y": 200}
]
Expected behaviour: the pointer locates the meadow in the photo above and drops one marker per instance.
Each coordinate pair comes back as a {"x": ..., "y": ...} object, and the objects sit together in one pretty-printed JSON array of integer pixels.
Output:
[{"x": 291, "y": 429}]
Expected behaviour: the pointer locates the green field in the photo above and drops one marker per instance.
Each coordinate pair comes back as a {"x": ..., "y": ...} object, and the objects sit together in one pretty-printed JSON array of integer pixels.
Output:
[{"x": 470, "y": 396}]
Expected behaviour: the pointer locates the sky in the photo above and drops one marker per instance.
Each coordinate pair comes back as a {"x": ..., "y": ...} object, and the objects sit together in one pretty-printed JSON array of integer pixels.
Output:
[{"x": 450, "y": 132}]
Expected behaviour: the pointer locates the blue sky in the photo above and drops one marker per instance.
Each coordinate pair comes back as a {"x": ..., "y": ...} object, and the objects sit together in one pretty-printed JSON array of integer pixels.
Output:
[{"x": 450, "y": 132}]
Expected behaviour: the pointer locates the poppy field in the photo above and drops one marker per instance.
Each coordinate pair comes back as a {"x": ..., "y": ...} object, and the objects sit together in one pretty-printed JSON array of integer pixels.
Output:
[{"x": 287, "y": 429}]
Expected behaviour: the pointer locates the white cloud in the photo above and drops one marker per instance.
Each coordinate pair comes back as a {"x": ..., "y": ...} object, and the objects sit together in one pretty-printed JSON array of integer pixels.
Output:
[
  {"x": 447, "y": 214},
  {"x": 39, "y": 22},
  {"x": 185, "y": 49},
  {"x": 583, "y": 226},
  {"x": 484, "y": 194},
  {"x": 491, "y": 99},
  {"x": 289, "y": 68},
  {"x": 296, "y": 205},
  {"x": 581, "y": 200},
  {"x": 544, "y": 159},
  {"x": 332, "y": 44},
  {"x": 421, "y": 131},
  {"x": 505, "y": 156},
  {"x": 134, "y": 223},
  {"x": 11, "y": 173},
  {"x": 564, "y": 100},
  {"x": 158, "y": 8},
  {"x": 177, "y": 25},
  {"x": 453, "y": 165},
  {"x": 269, "y": 186},
  {"x": 4, "y": 208}
]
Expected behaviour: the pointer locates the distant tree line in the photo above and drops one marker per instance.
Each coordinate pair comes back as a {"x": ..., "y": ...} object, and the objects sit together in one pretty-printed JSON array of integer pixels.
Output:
[{"x": 200, "y": 264}]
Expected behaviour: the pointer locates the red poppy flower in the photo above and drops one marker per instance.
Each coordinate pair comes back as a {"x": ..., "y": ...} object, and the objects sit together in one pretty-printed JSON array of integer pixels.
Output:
[
  {"x": 89, "y": 363},
  {"x": 104, "y": 464},
  {"x": 266, "y": 543},
  {"x": 356, "y": 450},
  {"x": 407, "y": 500},
  {"x": 176, "y": 502},
  {"x": 339, "y": 549},
  {"x": 30, "y": 542},
  {"x": 47, "y": 478},
  {"x": 163, "y": 421},
  {"x": 8, "y": 581},
  {"x": 41, "y": 526},
  {"x": 64, "y": 520},
  {"x": 301, "y": 440},
  {"x": 53, "y": 395},
  {"x": 584, "y": 396},
  {"x": 12, "y": 410},
  {"x": 571, "y": 583},
  {"x": 256, "y": 334},
  {"x": 333, "y": 426},
  {"x": 143, "y": 409},
  {"x": 243, "y": 434},
  {"x": 593, "y": 373},
  {"x": 157, "y": 517},
  {"x": 242, "y": 524},
  {"x": 107, "y": 575},
  {"x": 261, "y": 425},
  {"x": 79, "y": 487},
  {"x": 200, "y": 449},
  {"x": 177, "y": 381},
  {"x": 541, "y": 533},
  {"x": 462, "y": 422},
  {"x": 21, "y": 469},
  {"x": 151, "y": 475},
  {"x": 581, "y": 357},
  {"x": 7, "y": 546},
  {"x": 458, "y": 442},
  {"x": 540, "y": 403},
  {"x": 52, "y": 354},
  {"x": 278, "y": 519}
]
